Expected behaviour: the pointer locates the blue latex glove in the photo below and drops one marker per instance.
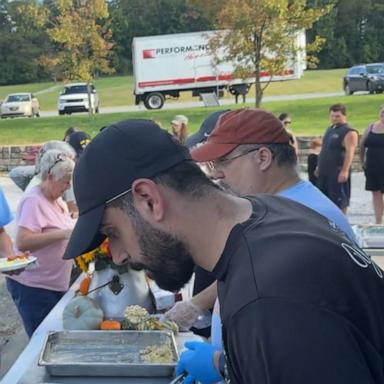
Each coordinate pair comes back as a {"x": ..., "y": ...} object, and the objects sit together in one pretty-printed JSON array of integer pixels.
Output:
[{"x": 198, "y": 363}]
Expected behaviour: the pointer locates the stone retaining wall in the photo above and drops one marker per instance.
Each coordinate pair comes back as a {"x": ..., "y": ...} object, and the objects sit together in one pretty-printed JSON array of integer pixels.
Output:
[
  {"x": 304, "y": 143},
  {"x": 12, "y": 156}
]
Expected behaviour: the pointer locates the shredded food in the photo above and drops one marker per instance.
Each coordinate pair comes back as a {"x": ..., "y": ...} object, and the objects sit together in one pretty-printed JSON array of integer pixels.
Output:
[{"x": 157, "y": 354}]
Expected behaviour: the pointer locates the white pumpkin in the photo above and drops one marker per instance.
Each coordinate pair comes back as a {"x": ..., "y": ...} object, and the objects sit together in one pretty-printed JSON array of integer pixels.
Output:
[{"x": 82, "y": 313}]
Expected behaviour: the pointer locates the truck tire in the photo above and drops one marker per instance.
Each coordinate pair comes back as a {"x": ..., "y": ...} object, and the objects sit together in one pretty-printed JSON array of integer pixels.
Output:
[{"x": 154, "y": 100}]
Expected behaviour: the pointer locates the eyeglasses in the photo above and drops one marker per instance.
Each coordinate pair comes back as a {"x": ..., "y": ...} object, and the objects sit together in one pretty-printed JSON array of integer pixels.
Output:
[
  {"x": 220, "y": 163},
  {"x": 118, "y": 196},
  {"x": 60, "y": 157}
]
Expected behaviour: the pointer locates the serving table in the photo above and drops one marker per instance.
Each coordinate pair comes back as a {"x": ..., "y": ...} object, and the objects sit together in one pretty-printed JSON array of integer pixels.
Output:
[{"x": 26, "y": 370}]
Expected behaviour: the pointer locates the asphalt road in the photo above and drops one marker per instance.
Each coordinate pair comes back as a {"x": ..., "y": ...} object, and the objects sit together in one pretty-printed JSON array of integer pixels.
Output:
[{"x": 170, "y": 105}]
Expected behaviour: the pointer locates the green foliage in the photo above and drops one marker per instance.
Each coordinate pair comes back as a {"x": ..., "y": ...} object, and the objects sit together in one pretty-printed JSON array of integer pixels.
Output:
[
  {"x": 353, "y": 31},
  {"x": 20, "y": 43},
  {"x": 79, "y": 31},
  {"x": 151, "y": 17},
  {"x": 260, "y": 35}
]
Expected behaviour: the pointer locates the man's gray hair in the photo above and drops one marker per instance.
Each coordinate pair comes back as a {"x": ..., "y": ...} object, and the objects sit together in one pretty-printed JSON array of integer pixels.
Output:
[
  {"x": 61, "y": 146},
  {"x": 56, "y": 163}
]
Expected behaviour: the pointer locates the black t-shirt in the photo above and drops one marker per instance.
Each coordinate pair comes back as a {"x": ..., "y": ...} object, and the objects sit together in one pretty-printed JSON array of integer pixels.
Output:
[
  {"x": 299, "y": 302},
  {"x": 331, "y": 158}
]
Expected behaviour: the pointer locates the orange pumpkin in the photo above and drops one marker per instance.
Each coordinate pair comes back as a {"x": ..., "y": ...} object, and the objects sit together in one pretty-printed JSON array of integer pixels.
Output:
[
  {"x": 84, "y": 285},
  {"x": 110, "y": 325}
]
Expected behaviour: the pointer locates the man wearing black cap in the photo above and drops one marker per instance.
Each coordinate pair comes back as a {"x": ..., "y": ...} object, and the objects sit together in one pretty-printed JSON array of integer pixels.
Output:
[{"x": 300, "y": 302}]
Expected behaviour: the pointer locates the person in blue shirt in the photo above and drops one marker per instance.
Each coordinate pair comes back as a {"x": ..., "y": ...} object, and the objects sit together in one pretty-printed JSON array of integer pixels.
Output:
[
  {"x": 254, "y": 163},
  {"x": 6, "y": 217}
]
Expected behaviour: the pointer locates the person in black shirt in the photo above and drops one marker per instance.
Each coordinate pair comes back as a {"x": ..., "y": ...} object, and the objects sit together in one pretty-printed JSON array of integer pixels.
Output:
[
  {"x": 300, "y": 302},
  {"x": 336, "y": 156}
]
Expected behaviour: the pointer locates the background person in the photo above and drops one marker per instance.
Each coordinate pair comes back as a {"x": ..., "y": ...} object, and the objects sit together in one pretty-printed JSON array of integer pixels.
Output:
[
  {"x": 336, "y": 156},
  {"x": 78, "y": 141},
  {"x": 372, "y": 158},
  {"x": 179, "y": 127},
  {"x": 43, "y": 228},
  {"x": 312, "y": 160},
  {"x": 68, "y": 150},
  {"x": 69, "y": 132},
  {"x": 286, "y": 120}
]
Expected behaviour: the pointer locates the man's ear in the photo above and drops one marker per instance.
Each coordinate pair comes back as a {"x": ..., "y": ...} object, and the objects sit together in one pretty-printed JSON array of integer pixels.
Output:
[
  {"x": 148, "y": 199},
  {"x": 265, "y": 158}
]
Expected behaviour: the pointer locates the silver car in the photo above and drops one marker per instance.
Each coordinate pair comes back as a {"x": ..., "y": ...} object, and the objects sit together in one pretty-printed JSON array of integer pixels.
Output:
[{"x": 20, "y": 104}]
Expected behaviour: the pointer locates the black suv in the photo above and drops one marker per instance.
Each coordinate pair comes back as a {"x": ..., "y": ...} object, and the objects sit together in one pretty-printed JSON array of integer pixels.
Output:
[{"x": 364, "y": 77}]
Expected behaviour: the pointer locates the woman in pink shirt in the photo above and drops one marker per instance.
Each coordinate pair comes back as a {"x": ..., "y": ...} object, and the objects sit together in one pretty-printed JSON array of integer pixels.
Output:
[{"x": 43, "y": 228}]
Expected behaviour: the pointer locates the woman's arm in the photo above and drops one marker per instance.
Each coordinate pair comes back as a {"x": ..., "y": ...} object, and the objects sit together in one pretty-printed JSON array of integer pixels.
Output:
[
  {"x": 362, "y": 144},
  {"x": 27, "y": 240}
]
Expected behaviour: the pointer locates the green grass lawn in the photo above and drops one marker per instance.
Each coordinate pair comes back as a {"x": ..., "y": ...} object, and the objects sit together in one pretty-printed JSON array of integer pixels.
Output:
[
  {"x": 310, "y": 117},
  {"x": 118, "y": 90}
]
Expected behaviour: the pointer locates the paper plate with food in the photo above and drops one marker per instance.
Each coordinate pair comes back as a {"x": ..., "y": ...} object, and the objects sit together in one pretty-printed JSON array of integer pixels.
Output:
[{"x": 13, "y": 263}]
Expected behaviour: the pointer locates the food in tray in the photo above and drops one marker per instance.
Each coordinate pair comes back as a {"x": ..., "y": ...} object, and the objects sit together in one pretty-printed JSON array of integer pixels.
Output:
[
  {"x": 155, "y": 354},
  {"x": 104, "y": 353},
  {"x": 137, "y": 318}
]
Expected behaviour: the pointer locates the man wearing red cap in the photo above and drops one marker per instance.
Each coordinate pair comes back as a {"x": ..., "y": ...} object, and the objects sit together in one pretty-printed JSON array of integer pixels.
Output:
[{"x": 230, "y": 152}]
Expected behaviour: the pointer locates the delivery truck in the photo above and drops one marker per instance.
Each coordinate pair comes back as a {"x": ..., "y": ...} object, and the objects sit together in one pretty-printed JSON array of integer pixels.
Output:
[{"x": 166, "y": 65}]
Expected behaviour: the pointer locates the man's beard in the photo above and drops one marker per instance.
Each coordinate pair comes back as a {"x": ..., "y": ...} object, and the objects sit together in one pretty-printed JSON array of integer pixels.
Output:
[{"x": 167, "y": 258}]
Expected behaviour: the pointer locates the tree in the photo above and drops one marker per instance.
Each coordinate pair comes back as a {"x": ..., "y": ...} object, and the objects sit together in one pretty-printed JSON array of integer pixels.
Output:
[
  {"x": 250, "y": 30},
  {"x": 151, "y": 17},
  {"x": 21, "y": 41},
  {"x": 353, "y": 32},
  {"x": 80, "y": 33}
]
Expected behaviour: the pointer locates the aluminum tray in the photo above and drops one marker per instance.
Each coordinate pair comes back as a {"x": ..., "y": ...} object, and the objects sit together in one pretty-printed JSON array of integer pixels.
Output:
[{"x": 105, "y": 353}]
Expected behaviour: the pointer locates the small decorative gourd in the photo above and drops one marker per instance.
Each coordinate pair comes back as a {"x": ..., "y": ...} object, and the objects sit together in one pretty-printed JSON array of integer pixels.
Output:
[{"x": 82, "y": 313}]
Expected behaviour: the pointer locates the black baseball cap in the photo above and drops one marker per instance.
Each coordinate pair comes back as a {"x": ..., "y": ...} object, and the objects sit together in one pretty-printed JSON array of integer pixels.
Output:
[
  {"x": 205, "y": 129},
  {"x": 79, "y": 140},
  {"x": 111, "y": 162}
]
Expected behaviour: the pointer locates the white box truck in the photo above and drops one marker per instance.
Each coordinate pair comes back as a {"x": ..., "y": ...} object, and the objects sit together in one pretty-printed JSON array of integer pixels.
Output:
[{"x": 165, "y": 65}]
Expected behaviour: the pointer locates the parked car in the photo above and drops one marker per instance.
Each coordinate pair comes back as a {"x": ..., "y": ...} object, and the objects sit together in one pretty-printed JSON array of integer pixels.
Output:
[
  {"x": 20, "y": 104},
  {"x": 74, "y": 98},
  {"x": 364, "y": 77}
]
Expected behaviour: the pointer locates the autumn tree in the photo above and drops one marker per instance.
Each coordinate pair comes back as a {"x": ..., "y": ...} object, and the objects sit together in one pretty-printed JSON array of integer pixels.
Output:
[
  {"x": 82, "y": 37},
  {"x": 259, "y": 35}
]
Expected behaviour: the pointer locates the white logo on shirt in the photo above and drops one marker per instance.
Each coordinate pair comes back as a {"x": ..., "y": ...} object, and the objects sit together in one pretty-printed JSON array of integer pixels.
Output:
[{"x": 361, "y": 258}]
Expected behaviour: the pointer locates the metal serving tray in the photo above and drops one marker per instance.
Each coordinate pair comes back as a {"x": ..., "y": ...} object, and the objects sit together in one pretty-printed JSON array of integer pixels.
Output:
[
  {"x": 369, "y": 235},
  {"x": 105, "y": 353}
]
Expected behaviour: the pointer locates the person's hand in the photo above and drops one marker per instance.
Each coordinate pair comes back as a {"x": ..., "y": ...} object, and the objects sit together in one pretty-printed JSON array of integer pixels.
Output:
[
  {"x": 184, "y": 314},
  {"x": 343, "y": 177},
  {"x": 198, "y": 362},
  {"x": 316, "y": 172}
]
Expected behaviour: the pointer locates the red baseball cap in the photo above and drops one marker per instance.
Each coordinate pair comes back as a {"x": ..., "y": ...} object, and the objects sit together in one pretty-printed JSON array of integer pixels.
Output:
[{"x": 242, "y": 126}]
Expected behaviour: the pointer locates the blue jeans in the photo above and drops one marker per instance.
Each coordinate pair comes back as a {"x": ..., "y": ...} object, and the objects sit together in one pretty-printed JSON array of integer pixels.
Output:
[{"x": 33, "y": 304}]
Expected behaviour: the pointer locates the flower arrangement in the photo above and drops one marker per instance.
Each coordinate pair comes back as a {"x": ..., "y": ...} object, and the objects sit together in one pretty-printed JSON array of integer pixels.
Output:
[{"x": 101, "y": 257}]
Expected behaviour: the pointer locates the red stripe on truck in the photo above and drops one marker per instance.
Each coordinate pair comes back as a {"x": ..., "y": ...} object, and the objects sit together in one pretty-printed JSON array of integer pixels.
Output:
[{"x": 190, "y": 80}]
